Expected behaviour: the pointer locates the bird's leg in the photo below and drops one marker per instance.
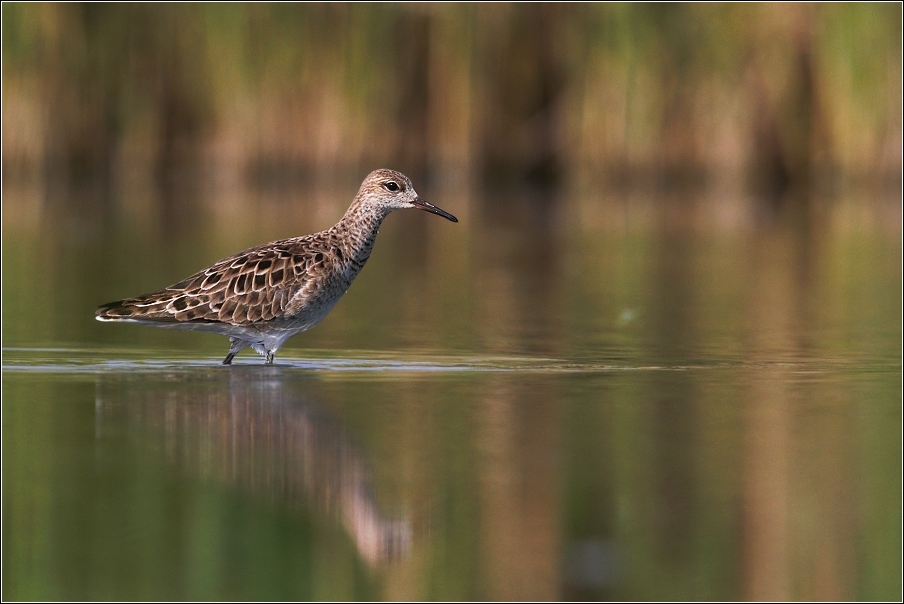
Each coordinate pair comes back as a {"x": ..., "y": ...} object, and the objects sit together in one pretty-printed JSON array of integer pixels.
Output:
[
  {"x": 235, "y": 345},
  {"x": 265, "y": 352}
]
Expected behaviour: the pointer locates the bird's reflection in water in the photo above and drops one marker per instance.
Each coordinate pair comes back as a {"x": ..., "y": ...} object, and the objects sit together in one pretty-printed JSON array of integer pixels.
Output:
[{"x": 254, "y": 429}]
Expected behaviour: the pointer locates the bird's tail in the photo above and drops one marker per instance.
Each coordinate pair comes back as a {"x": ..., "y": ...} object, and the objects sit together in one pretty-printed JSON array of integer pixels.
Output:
[{"x": 131, "y": 309}]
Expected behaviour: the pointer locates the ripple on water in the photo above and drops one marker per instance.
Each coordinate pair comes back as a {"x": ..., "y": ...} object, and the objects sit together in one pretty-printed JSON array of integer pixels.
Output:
[{"x": 107, "y": 361}]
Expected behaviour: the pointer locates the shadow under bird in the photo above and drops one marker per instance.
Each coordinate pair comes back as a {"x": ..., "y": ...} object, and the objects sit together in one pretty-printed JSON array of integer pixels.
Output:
[{"x": 264, "y": 295}]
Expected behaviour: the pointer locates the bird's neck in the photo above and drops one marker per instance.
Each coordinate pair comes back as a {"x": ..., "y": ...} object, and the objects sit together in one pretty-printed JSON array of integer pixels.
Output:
[{"x": 360, "y": 225}]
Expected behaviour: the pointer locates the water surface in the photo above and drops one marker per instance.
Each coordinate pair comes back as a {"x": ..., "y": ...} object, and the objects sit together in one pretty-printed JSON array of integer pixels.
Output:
[{"x": 587, "y": 405}]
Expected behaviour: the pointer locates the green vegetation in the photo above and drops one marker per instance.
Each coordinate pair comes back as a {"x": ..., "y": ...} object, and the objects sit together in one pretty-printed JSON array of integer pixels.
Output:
[{"x": 784, "y": 93}]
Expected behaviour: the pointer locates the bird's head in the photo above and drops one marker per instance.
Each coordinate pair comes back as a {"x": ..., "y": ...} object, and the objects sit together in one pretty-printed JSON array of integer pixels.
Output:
[{"x": 388, "y": 190}]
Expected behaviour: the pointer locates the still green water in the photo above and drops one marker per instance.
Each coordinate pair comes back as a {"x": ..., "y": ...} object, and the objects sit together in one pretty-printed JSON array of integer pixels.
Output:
[{"x": 575, "y": 403}]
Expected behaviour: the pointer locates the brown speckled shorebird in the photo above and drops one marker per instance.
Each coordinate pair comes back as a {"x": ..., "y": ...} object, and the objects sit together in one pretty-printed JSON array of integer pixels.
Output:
[{"x": 265, "y": 295}]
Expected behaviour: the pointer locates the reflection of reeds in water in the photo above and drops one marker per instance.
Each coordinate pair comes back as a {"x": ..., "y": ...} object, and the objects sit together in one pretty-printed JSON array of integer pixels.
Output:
[
  {"x": 798, "y": 502},
  {"x": 267, "y": 439}
]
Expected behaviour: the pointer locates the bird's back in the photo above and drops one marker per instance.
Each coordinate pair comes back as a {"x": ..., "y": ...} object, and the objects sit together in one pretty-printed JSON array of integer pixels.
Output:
[{"x": 277, "y": 281}]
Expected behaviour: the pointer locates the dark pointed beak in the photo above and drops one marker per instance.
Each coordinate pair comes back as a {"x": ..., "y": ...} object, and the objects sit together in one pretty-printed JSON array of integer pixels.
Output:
[{"x": 422, "y": 204}]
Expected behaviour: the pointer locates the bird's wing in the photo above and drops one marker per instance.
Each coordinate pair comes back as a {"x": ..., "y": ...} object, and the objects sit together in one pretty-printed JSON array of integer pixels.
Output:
[{"x": 256, "y": 285}]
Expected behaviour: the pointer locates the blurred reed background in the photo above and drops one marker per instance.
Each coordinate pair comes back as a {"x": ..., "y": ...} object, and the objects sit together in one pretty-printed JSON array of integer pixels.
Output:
[{"x": 765, "y": 98}]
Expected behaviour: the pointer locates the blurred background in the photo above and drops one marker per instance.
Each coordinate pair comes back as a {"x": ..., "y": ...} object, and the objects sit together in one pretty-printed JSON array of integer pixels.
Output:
[
  {"x": 659, "y": 357},
  {"x": 768, "y": 97}
]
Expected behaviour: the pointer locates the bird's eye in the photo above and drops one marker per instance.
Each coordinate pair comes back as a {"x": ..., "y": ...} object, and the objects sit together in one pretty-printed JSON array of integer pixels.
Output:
[{"x": 392, "y": 186}]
